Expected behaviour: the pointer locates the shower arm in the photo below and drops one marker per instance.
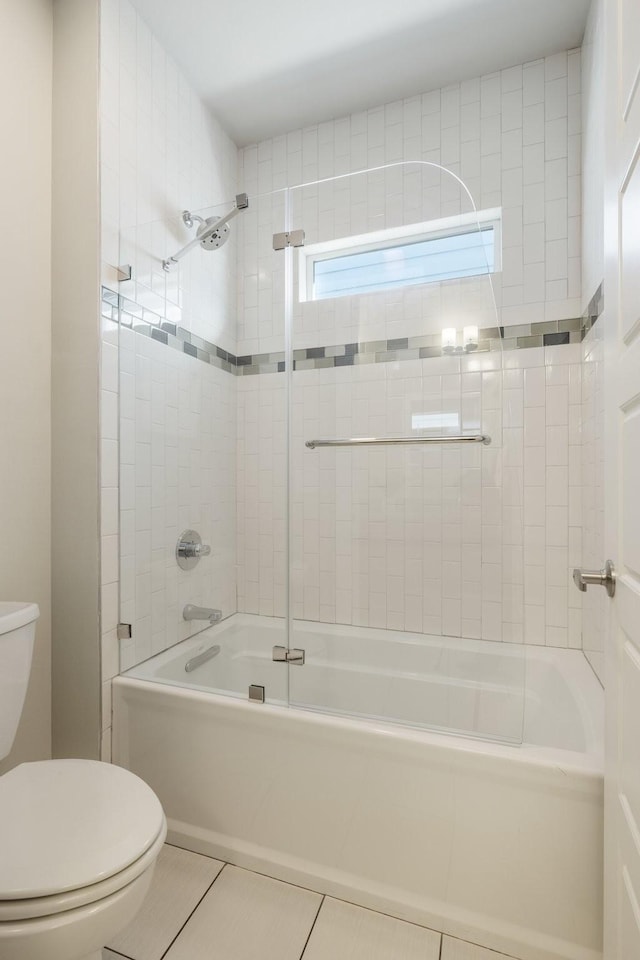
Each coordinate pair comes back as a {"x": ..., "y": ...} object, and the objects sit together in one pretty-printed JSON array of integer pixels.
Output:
[{"x": 242, "y": 202}]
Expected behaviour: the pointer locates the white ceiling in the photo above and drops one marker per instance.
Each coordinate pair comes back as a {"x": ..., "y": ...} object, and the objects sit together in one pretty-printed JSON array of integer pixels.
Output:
[{"x": 267, "y": 66}]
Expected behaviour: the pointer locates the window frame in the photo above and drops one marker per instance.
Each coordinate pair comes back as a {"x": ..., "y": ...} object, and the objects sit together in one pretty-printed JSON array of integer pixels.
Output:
[{"x": 392, "y": 237}]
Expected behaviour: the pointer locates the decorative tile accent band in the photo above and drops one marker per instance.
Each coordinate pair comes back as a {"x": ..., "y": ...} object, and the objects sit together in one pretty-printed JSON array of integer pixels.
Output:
[{"x": 141, "y": 320}]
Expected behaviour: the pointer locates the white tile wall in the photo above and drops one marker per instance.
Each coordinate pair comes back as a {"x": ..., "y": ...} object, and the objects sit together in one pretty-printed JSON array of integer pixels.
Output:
[
  {"x": 177, "y": 472},
  {"x": 482, "y": 548},
  {"x": 476, "y": 542},
  {"x": 261, "y": 495},
  {"x": 513, "y": 137},
  {"x": 161, "y": 152}
]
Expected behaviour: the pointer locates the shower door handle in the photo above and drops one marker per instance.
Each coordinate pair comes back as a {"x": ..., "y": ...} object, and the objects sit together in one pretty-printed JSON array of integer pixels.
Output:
[{"x": 600, "y": 578}]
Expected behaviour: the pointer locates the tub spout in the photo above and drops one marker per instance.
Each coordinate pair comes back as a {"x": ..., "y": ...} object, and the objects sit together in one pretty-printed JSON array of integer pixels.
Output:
[{"x": 191, "y": 612}]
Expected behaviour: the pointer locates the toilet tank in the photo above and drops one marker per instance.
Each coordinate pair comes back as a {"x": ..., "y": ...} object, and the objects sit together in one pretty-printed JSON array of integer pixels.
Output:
[{"x": 17, "y": 633}]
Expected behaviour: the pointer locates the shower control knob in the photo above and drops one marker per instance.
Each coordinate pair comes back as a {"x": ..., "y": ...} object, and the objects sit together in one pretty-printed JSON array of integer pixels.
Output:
[
  {"x": 189, "y": 549},
  {"x": 601, "y": 578}
]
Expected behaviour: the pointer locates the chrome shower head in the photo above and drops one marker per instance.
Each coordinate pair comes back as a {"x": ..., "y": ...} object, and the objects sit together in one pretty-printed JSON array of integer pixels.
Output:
[{"x": 210, "y": 236}]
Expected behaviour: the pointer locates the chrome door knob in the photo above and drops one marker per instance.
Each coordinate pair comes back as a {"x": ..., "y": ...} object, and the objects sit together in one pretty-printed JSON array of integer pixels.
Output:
[{"x": 601, "y": 578}]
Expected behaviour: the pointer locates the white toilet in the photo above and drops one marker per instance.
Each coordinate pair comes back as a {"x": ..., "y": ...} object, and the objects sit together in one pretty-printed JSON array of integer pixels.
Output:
[{"x": 78, "y": 839}]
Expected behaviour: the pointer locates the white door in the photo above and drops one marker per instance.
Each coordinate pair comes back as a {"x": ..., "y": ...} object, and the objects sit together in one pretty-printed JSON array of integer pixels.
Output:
[{"x": 622, "y": 486}]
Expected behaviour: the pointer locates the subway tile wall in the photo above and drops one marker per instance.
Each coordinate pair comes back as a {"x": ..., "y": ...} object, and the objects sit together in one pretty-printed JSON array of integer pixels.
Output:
[
  {"x": 174, "y": 467},
  {"x": 162, "y": 152},
  {"x": 198, "y": 443},
  {"x": 475, "y": 541},
  {"x": 513, "y": 137},
  {"x": 177, "y": 472}
]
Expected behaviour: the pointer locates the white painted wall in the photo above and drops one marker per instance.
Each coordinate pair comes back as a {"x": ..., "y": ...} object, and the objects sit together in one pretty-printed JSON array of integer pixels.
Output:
[
  {"x": 25, "y": 358},
  {"x": 75, "y": 361}
]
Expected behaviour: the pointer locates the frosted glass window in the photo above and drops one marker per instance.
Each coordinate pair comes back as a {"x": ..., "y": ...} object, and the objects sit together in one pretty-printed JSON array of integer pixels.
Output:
[{"x": 420, "y": 253}]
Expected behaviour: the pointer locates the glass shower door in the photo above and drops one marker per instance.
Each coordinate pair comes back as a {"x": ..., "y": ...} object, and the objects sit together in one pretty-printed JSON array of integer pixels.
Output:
[
  {"x": 397, "y": 519},
  {"x": 202, "y": 430}
]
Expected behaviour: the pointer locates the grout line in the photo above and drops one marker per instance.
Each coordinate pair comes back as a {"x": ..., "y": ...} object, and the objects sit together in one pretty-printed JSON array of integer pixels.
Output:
[
  {"x": 289, "y": 883},
  {"x": 306, "y": 943},
  {"x": 117, "y": 953},
  {"x": 441, "y": 946},
  {"x": 298, "y": 886},
  {"x": 478, "y": 946},
  {"x": 383, "y": 913},
  {"x": 165, "y": 952}
]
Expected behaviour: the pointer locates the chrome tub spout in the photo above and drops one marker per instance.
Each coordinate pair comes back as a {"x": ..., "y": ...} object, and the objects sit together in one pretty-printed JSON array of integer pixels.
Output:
[{"x": 191, "y": 612}]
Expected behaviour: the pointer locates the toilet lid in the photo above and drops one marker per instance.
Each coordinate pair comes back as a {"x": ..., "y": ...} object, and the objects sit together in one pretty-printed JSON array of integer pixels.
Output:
[{"x": 65, "y": 824}]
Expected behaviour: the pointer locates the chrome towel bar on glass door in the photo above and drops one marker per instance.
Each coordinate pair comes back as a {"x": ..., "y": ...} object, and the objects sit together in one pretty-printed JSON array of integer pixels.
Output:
[{"x": 394, "y": 441}]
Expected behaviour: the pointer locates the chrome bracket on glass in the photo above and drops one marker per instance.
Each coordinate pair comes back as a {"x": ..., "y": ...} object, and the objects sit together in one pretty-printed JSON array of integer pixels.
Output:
[
  {"x": 293, "y": 239},
  {"x": 189, "y": 549},
  {"x": 256, "y": 693},
  {"x": 600, "y": 578},
  {"x": 284, "y": 655},
  {"x": 124, "y": 272}
]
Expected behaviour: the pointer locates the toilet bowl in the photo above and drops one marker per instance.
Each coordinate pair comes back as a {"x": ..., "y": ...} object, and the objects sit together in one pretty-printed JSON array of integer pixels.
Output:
[
  {"x": 78, "y": 839},
  {"x": 79, "y": 842}
]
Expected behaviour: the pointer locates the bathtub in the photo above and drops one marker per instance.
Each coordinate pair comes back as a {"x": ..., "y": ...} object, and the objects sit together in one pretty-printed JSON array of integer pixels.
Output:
[{"x": 480, "y": 836}]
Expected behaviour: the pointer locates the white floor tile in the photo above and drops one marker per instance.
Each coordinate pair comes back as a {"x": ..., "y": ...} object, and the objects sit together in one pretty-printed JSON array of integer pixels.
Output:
[
  {"x": 245, "y": 916},
  {"x": 180, "y": 881},
  {"x": 461, "y": 950},
  {"x": 345, "y": 932}
]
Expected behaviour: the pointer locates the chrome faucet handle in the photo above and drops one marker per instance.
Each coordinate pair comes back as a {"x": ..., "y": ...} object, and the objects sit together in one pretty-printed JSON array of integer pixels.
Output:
[
  {"x": 601, "y": 578},
  {"x": 190, "y": 549}
]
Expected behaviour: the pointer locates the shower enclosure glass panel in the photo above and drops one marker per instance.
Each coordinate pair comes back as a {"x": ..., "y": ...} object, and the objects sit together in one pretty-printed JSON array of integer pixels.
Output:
[
  {"x": 397, "y": 515},
  {"x": 317, "y": 412},
  {"x": 203, "y": 448}
]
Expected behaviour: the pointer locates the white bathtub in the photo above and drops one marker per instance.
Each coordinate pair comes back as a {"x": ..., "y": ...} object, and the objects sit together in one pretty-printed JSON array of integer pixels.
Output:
[{"x": 496, "y": 843}]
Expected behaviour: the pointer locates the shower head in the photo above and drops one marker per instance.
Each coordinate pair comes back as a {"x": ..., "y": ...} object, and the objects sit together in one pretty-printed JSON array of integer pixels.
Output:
[
  {"x": 211, "y": 233},
  {"x": 211, "y": 236}
]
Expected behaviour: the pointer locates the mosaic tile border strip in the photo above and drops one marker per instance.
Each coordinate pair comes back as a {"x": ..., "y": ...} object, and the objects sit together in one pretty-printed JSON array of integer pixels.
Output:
[
  {"x": 520, "y": 337},
  {"x": 422, "y": 348},
  {"x": 143, "y": 321}
]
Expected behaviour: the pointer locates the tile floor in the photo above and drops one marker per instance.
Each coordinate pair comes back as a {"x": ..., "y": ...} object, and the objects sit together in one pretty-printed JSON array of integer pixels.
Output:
[{"x": 202, "y": 909}]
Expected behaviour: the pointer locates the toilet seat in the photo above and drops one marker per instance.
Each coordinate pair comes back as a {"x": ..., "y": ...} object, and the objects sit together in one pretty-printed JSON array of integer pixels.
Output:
[{"x": 72, "y": 832}]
